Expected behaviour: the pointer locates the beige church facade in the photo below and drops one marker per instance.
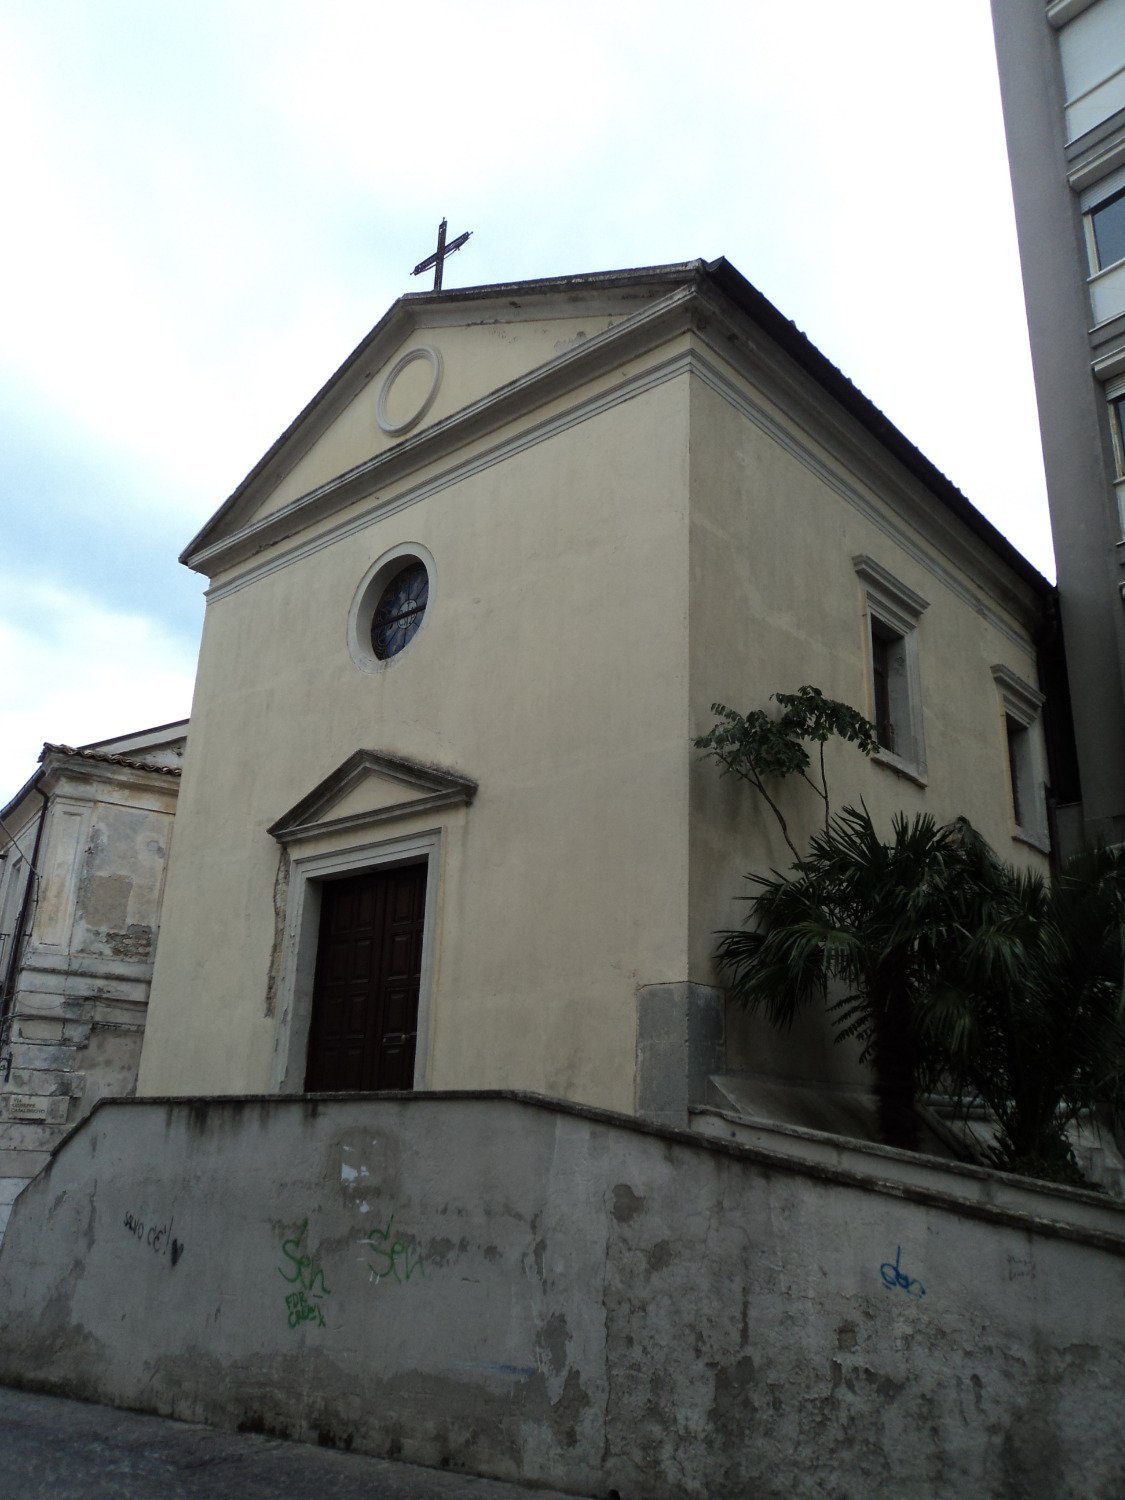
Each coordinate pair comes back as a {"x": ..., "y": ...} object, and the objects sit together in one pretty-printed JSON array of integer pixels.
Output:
[{"x": 441, "y": 824}]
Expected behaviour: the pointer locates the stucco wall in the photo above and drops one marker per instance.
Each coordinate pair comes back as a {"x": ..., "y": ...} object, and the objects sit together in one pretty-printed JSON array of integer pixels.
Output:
[
  {"x": 552, "y": 669},
  {"x": 784, "y": 497},
  {"x": 677, "y": 527},
  {"x": 529, "y": 1290}
]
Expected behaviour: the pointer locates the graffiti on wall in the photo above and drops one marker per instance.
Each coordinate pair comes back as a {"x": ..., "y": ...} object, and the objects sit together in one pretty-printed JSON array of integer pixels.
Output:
[
  {"x": 390, "y": 1259},
  {"x": 304, "y": 1303},
  {"x": 157, "y": 1237},
  {"x": 896, "y": 1279}
]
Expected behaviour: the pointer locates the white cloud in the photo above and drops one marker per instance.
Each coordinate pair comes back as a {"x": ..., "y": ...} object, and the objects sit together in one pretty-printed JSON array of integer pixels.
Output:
[
  {"x": 211, "y": 203},
  {"x": 76, "y": 672}
]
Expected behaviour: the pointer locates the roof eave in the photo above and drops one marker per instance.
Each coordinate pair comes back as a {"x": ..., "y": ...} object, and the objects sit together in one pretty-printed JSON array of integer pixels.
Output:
[
  {"x": 402, "y": 312},
  {"x": 804, "y": 352},
  {"x": 729, "y": 283}
]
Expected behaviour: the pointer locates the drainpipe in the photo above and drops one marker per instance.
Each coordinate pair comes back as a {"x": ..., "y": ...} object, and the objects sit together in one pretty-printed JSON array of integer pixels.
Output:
[{"x": 18, "y": 936}]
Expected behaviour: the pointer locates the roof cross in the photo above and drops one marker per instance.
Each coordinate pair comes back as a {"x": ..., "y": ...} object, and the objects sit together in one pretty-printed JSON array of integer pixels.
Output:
[{"x": 437, "y": 259}]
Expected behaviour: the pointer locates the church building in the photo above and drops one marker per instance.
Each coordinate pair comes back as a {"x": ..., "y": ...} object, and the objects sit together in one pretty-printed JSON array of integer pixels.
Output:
[
  {"x": 441, "y": 824},
  {"x": 442, "y": 899}
]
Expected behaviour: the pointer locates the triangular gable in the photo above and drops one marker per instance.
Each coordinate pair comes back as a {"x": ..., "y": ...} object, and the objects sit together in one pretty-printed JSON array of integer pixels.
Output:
[
  {"x": 643, "y": 307},
  {"x": 480, "y": 340},
  {"x": 401, "y": 788}
]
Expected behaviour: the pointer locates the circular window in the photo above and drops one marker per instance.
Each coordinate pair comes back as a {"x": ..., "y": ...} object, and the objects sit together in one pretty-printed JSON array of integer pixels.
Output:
[
  {"x": 390, "y": 606},
  {"x": 399, "y": 611}
]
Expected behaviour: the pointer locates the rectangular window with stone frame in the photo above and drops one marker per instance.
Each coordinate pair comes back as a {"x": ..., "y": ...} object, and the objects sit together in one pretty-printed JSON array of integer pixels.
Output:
[
  {"x": 1020, "y": 705},
  {"x": 892, "y": 612}
]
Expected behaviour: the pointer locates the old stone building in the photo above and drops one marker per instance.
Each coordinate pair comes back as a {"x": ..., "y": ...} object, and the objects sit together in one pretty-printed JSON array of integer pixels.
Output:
[{"x": 82, "y": 857}]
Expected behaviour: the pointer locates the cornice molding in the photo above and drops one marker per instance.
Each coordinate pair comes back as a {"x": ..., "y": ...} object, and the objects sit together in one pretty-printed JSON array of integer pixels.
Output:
[
  {"x": 434, "y": 788},
  {"x": 694, "y": 362},
  {"x": 58, "y": 766},
  {"x": 901, "y": 606},
  {"x": 575, "y": 366},
  {"x": 875, "y": 514},
  {"x": 853, "y": 456},
  {"x": 1020, "y": 699},
  {"x": 358, "y": 483}
]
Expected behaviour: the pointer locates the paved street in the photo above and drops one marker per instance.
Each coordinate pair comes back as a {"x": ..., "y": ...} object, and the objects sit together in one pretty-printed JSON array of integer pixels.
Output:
[{"x": 66, "y": 1450}]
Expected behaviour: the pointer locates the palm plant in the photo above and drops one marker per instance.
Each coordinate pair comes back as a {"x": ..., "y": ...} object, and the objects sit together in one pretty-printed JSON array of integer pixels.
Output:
[
  {"x": 956, "y": 970},
  {"x": 1029, "y": 1018},
  {"x": 880, "y": 920}
]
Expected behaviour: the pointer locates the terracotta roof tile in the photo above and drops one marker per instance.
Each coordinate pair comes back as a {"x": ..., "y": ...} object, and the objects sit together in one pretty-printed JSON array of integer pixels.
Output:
[{"x": 113, "y": 760}]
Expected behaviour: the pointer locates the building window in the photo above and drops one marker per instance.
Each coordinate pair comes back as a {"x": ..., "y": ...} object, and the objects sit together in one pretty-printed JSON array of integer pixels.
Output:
[
  {"x": 894, "y": 687},
  {"x": 1019, "y": 767},
  {"x": 390, "y": 606},
  {"x": 1117, "y": 423},
  {"x": 399, "y": 611},
  {"x": 1020, "y": 705},
  {"x": 1107, "y": 231},
  {"x": 887, "y": 653}
]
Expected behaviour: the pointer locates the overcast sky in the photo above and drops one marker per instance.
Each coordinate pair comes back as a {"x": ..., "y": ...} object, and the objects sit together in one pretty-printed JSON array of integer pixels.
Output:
[{"x": 209, "y": 203}]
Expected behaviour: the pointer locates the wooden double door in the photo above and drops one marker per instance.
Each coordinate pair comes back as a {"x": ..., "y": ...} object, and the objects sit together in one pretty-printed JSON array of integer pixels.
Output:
[{"x": 364, "y": 1028}]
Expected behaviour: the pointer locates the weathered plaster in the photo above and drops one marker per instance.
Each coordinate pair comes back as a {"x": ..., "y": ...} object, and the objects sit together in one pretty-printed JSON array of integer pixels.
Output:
[
  {"x": 514, "y": 1287},
  {"x": 80, "y": 986}
]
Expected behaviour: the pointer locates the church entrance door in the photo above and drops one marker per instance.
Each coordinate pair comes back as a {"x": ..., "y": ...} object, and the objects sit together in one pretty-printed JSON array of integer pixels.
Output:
[{"x": 364, "y": 1026}]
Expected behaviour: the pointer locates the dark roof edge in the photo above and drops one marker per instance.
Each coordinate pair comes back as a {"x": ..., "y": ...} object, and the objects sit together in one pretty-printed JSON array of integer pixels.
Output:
[
  {"x": 799, "y": 347},
  {"x": 591, "y": 281},
  {"x": 136, "y": 734},
  {"x": 743, "y": 294}
]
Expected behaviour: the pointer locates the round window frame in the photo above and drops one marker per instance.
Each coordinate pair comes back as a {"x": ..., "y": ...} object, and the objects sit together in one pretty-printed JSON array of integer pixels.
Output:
[
  {"x": 433, "y": 358},
  {"x": 366, "y": 599}
]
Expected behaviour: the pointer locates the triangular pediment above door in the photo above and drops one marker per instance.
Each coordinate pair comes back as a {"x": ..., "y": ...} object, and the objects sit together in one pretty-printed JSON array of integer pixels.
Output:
[{"x": 371, "y": 787}]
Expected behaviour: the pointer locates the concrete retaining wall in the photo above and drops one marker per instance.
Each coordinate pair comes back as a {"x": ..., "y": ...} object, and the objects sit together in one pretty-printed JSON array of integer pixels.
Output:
[{"x": 526, "y": 1289}]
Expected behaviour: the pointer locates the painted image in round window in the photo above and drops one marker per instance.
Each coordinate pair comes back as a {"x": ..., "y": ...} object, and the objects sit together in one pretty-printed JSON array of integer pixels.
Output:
[{"x": 399, "y": 611}]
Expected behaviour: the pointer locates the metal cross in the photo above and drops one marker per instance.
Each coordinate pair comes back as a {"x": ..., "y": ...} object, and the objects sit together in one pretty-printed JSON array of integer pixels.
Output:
[{"x": 439, "y": 254}]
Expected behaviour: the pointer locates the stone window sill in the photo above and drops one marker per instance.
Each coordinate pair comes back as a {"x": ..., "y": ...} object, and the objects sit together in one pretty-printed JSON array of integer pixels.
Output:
[{"x": 900, "y": 767}]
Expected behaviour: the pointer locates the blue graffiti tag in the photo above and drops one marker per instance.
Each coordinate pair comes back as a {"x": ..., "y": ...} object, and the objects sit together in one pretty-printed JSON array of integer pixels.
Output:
[{"x": 894, "y": 1278}]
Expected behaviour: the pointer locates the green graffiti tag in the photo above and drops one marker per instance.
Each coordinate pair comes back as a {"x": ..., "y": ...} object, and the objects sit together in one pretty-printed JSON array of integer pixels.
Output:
[
  {"x": 387, "y": 1258},
  {"x": 303, "y": 1304}
]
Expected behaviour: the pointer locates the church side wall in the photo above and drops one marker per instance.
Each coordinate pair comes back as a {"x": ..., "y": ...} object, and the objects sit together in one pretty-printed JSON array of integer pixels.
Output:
[
  {"x": 552, "y": 669},
  {"x": 779, "y": 512},
  {"x": 526, "y": 1290}
]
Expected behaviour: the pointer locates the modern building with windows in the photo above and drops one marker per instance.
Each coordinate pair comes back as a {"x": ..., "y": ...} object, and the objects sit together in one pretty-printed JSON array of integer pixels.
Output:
[{"x": 1062, "y": 81}]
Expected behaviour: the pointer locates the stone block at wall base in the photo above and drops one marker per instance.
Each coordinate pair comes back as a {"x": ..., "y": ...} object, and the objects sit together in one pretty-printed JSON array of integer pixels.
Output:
[{"x": 679, "y": 1045}]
